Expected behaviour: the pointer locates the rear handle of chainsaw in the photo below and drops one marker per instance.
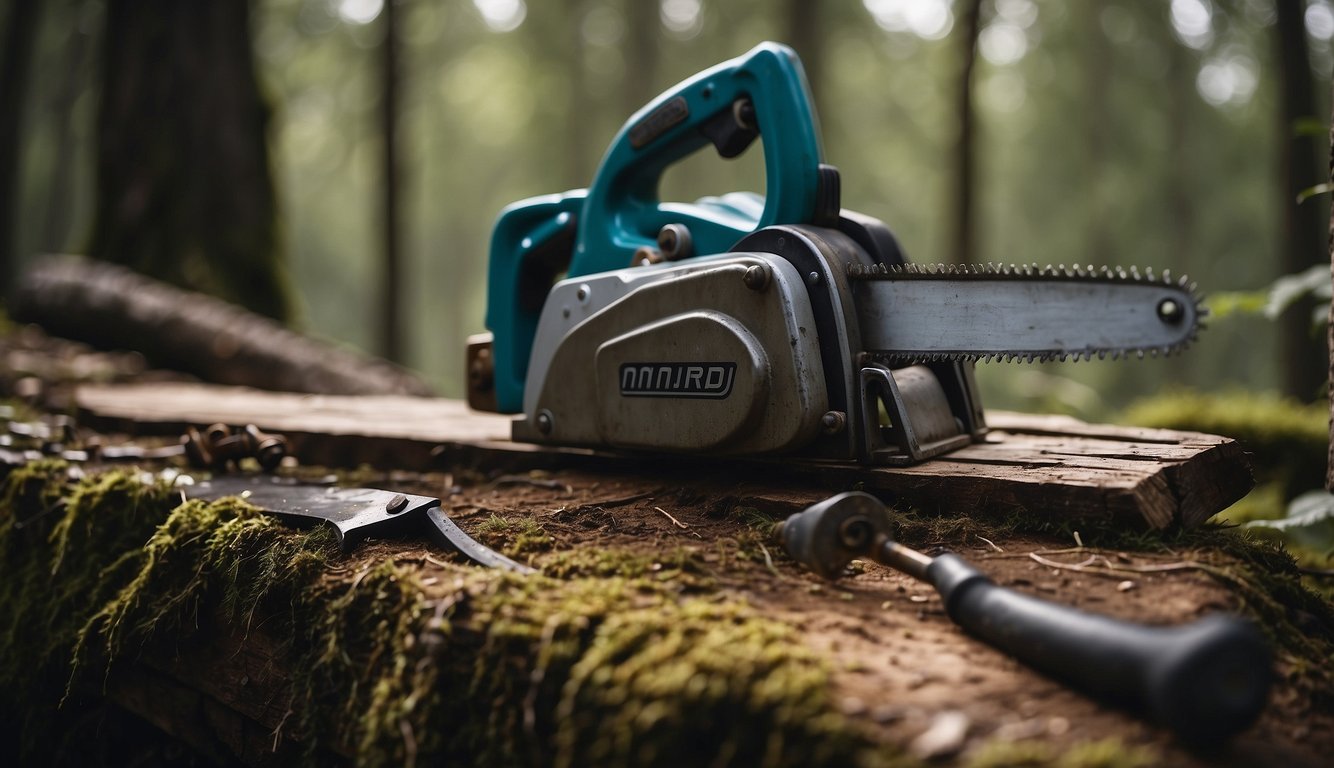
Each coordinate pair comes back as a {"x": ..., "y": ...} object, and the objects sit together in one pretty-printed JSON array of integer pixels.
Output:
[
  {"x": 727, "y": 107},
  {"x": 1204, "y": 680}
]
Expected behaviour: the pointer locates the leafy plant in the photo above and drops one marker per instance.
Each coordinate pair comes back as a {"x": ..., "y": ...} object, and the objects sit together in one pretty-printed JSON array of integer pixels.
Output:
[{"x": 1274, "y": 300}]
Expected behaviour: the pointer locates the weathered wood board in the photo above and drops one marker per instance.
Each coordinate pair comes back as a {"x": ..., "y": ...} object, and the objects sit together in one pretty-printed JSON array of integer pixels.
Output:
[{"x": 1148, "y": 477}]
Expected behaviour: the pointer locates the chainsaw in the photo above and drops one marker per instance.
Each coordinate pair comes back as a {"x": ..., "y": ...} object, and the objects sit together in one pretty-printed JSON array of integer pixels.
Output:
[{"x": 775, "y": 324}]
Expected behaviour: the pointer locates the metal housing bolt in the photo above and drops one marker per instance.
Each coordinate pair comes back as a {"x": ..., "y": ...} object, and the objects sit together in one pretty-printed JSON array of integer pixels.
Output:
[{"x": 756, "y": 277}]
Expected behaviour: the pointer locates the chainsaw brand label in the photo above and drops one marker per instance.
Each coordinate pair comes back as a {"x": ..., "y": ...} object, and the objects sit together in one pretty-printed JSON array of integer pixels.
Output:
[{"x": 704, "y": 380}]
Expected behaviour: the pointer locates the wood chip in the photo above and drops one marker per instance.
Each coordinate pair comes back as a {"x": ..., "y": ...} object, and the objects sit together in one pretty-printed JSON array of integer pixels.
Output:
[{"x": 945, "y": 736}]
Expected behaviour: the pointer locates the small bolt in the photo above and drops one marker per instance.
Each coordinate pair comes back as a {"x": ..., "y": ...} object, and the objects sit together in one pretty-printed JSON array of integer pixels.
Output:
[
  {"x": 544, "y": 422},
  {"x": 582, "y": 293},
  {"x": 396, "y": 504},
  {"x": 833, "y": 422},
  {"x": 675, "y": 242},
  {"x": 1169, "y": 311},
  {"x": 756, "y": 277},
  {"x": 813, "y": 278}
]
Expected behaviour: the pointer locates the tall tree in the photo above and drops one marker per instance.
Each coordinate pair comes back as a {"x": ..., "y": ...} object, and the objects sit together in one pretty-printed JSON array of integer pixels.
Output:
[
  {"x": 1329, "y": 323},
  {"x": 15, "y": 63},
  {"x": 1097, "y": 74},
  {"x": 391, "y": 313},
  {"x": 579, "y": 158},
  {"x": 1304, "y": 358},
  {"x": 965, "y": 168},
  {"x": 643, "y": 31},
  {"x": 805, "y": 32},
  {"x": 184, "y": 187}
]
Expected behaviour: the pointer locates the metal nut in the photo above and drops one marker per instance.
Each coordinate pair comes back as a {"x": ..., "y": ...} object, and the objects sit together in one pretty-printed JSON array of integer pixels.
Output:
[{"x": 545, "y": 422}]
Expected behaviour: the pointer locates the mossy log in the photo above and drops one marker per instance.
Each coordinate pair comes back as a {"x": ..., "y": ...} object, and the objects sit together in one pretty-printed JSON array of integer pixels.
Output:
[
  {"x": 250, "y": 641},
  {"x": 226, "y": 626}
]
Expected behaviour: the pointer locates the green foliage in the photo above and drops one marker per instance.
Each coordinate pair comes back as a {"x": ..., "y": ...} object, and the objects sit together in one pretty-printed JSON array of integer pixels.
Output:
[
  {"x": 1273, "y": 301},
  {"x": 1309, "y": 523}
]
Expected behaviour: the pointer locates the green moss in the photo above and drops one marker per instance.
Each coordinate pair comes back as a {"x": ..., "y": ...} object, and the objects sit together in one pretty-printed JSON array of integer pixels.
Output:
[
  {"x": 1109, "y": 753},
  {"x": 1105, "y": 753},
  {"x": 680, "y": 565},
  {"x": 1003, "y": 753},
  {"x": 1288, "y": 441},
  {"x": 472, "y": 667},
  {"x": 742, "y": 688},
  {"x": 516, "y": 537},
  {"x": 61, "y": 548}
]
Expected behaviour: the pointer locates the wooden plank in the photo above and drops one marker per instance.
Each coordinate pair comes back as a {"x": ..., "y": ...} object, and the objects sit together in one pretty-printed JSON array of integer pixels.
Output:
[{"x": 1144, "y": 477}]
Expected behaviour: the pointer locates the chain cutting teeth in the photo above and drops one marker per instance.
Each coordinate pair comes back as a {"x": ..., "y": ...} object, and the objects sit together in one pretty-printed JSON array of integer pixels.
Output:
[{"x": 1034, "y": 271}]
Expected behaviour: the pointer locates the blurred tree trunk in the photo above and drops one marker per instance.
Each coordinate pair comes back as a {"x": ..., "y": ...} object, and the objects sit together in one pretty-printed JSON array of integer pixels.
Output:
[
  {"x": 641, "y": 55},
  {"x": 805, "y": 32},
  {"x": 578, "y": 170},
  {"x": 1097, "y": 67},
  {"x": 1181, "y": 68},
  {"x": 15, "y": 63},
  {"x": 391, "y": 315},
  {"x": 1304, "y": 358},
  {"x": 965, "y": 168},
  {"x": 1329, "y": 322},
  {"x": 75, "y": 80},
  {"x": 184, "y": 188}
]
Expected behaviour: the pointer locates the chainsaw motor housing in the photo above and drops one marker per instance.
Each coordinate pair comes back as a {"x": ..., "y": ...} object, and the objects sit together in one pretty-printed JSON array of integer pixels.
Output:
[{"x": 755, "y": 351}]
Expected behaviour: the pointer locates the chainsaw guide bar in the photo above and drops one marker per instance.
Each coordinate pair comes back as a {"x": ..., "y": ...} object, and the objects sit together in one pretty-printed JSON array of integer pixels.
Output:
[{"x": 982, "y": 312}]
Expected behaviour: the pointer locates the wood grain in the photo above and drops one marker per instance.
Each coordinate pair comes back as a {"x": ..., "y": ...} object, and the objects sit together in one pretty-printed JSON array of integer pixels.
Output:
[{"x": 1139, "y": 477}]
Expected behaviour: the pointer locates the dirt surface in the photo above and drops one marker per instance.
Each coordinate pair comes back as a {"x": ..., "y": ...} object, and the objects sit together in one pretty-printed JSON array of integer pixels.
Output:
[{"x": 902, "y": 668}]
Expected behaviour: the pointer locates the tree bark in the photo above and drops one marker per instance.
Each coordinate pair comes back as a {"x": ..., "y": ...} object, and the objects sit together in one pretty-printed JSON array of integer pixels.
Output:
[
  {"x": 1329, "y": 323},
  {"x": 805, "y": 33},
  {"x": 641, "y": 55},
  {"x": 391, "y": 315},
  {"x": 15, "y": 63},
  {"x": 579, "y": 165},
  {"x": 111, "y": 307},
  {"x": 965, "y": 168},
  {"x": 1304, "y": 358},
  {"x": 1096, "y": 64},
  {"x": 184, "y": 189}
]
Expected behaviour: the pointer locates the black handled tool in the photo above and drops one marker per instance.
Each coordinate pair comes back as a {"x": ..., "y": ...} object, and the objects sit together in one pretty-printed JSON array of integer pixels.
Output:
[{"x": 1205, "y": 680}]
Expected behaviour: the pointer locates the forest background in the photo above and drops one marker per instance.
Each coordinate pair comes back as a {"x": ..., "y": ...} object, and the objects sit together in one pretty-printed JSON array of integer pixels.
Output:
[{"x": 1174, "y": 134}]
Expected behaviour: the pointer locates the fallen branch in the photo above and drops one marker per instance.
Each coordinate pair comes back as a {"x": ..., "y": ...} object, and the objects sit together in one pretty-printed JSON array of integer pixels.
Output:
[{"x": 112, "y": 307}]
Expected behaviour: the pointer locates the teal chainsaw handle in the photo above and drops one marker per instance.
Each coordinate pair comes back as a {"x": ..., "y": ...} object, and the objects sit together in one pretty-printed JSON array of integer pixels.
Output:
[
  {"x": 530, "y": 248},
  {"x": 597, "y": 230},
  {"x": 761, "y": 92}
]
